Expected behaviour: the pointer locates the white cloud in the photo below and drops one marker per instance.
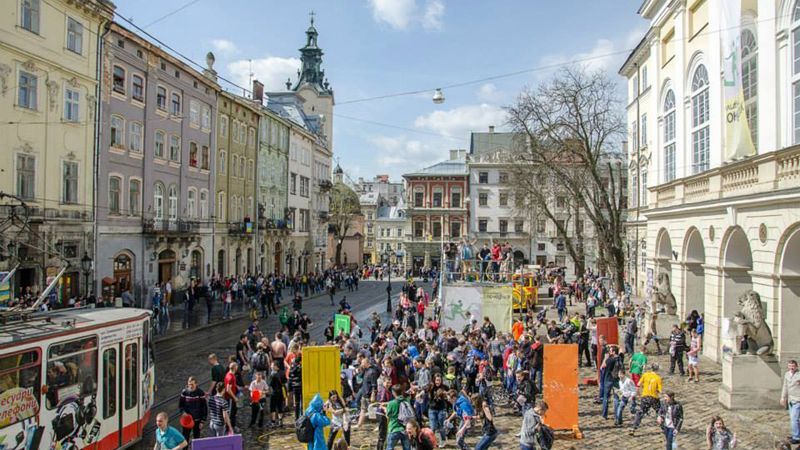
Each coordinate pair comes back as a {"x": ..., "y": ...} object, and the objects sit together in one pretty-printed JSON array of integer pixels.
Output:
[
  {"x": 397, "y": 13},
  {"x": 401, "y": 14},
  {"x": 488, "y": 93},
  {"x": 402, "y": 154},
  {"x": 432, "y": 19},
  {"x": 272, "y": 71},
  {"x": 459, "y": 122},
  {"x": 224, "y": 46},
  {"x": 603, "y": 56}
]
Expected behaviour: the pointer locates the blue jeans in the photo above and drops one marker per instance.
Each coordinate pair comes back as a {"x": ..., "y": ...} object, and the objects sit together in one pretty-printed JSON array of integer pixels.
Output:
[
  {"x": 608, "y": 388},
  {"x": 485, "y": 441},
  {"x": 669, "y": 435},
  {"x": 602, "y": 383},
  {"x": 619, "y": 407},
  {"x": 525, "y": 447},
  {"x": 436, "y": 417},
  {"x": 794, "y": 416},
  {"x": 226, "y": 310},
  {"x": 398, "y": 436},
  {"x": 536, "y": 376}
]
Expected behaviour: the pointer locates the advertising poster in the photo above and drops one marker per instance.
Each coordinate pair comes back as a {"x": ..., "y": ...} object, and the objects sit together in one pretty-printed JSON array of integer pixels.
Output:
[
  {"x": 341, "y": 322},
  {"x": 461, "y": 304},
  {"x": 5, "y": 290},
  {"x": 497, "y": 301},
  {"x": 738, "y": 141}
]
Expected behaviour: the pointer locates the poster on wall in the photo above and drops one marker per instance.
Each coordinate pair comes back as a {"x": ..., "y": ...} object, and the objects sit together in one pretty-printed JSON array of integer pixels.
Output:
[
  {"x": 5, "y": 290},
  {"x": 497, "y": 305},
  {"x": 738, "y": 141},
  {"x": 461, "y": 304}
]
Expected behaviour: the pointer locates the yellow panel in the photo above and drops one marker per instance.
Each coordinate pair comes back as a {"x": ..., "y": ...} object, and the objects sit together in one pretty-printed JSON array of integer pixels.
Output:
[{"x": 321, "y": 372}]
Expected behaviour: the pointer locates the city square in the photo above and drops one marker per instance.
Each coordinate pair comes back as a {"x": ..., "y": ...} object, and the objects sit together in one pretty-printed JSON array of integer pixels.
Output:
[{"x": 204, "y": 245}]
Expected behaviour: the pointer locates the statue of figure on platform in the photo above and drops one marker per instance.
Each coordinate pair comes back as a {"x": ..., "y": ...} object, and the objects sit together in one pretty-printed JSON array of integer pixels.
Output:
[
  {"x": 752, "y": 332},
  {"x": 662, "y": 295}
]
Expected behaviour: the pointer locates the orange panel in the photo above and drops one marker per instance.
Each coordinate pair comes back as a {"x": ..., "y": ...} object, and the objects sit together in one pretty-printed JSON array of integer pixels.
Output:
[{"x": 560, "y": 383}]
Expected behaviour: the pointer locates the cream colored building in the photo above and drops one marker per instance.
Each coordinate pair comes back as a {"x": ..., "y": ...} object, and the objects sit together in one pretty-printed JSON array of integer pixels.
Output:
[
  {"x": 48, "y": 96},
  {"x": 719, "y": 193}
]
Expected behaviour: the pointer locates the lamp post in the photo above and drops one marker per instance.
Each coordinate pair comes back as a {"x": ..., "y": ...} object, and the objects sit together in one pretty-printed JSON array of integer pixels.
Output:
[{"x": 86, "y": 266}]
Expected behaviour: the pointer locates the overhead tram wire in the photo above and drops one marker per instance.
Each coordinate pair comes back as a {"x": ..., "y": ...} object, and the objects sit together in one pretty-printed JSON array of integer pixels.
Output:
[{"x": 171, "y": 13}]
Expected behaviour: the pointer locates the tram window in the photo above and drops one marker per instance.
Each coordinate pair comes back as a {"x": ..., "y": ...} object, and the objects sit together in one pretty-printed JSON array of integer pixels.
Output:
[
  {"x": 131, "y": 375},
  {"x": 109, "y": 383},
  {"x": 19, "y": 386},
  {"x": 71, "y": 370},
  {"x": 145, "y": 346}
]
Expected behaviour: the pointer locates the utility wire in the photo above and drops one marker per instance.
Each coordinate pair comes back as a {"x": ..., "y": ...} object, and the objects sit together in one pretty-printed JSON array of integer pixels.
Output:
[{"x": 171, "y": 13}]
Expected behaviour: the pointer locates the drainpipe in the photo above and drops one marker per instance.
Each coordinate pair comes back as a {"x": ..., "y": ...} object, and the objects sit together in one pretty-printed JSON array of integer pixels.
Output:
[{"x": 105, "y": 27}]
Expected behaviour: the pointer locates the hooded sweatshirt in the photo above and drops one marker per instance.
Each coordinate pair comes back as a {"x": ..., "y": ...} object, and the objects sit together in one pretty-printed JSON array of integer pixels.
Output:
[{"x": 319, "y": 420}]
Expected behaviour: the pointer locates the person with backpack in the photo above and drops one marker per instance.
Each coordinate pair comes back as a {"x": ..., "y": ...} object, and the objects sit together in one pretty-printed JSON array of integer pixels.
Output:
[
  {"x": 534, "y": 434},
  {"x": 259, "y": 361},
  {"x": 489, "y": 430},
  {"x": 423, "y": 438},
  {"x": 613, "y": 369},
  {"x": 310, "y": 427},
  {"x": 399, "y": 411},
  {"x": 463, "y": 409},
  {"x": 295, "y": 385}
]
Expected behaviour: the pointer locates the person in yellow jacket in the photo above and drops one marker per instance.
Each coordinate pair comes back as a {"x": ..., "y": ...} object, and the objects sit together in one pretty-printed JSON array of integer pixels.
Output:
[{"x": 650, "y": 385}]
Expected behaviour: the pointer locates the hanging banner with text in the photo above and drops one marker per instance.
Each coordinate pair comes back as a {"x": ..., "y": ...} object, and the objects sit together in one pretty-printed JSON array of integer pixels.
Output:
[
  {"x": 738, "y": 141},
  {"x": 497, "y": 301}
]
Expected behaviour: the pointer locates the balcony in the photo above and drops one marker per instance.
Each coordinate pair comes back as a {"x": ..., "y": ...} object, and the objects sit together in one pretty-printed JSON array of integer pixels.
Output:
[
  {"x": 324, "y": 185},
  {"x": 272, "y": 224},
  {"x": 168, "y": 226},
  {"x": 323, "y": 216},
  {"x": 769, "y": 172},
  {"x": 241, "y": 228}
]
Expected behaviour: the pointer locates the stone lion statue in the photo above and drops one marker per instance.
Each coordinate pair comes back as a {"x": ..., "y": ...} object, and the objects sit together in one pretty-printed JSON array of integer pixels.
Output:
[
  {"x": 749, "y": 323},
  {"x": 662, "y": 295}
]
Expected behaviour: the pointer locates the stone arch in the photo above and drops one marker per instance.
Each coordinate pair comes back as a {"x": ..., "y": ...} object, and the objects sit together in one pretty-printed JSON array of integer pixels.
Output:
[
  {"x": 787, "y": 261},
  {"x": 663, "y": 254},
  {"x": 736, "y": 262},
  {"x": 694, "y": 257}
]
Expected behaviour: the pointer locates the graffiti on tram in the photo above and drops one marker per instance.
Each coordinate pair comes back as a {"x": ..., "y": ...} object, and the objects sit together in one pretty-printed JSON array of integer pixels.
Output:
[{"x": 69, "y": 397}]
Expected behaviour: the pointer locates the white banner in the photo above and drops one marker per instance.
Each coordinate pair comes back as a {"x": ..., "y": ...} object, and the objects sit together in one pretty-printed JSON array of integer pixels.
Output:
[
  {"x": 738, "y": 142},
  {"x": 461, "y": 304}
]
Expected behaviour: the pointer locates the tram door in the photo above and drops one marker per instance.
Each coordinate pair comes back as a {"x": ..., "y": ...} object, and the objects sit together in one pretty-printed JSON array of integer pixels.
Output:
[
  {"x": 130, "y": 391},
  {"x": 109, "y": 410}
]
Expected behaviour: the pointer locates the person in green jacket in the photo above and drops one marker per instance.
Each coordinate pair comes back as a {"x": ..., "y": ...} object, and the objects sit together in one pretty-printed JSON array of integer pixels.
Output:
[
  {"x": 397, "y": 427},
  {"x": 638, "y": 363}
]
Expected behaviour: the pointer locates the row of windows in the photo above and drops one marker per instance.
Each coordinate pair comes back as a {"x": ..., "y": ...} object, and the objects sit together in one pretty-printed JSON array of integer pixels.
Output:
[
  {"x": 483, "y": 177},
  {"x": 30, "y": 19},
  {"x": 435, "y": 231},
  {"x": 502, "y": 225},
  {"x": 237, "y": 167},
  {"x": 28, "y": 96},
  {"x": 198, "y": 157},
  {"x": 238, "y": 205},
  {"x": 437, "y": 198},
  {"x": 26, "y": 179},
  {"x": 165, "y": 201}
]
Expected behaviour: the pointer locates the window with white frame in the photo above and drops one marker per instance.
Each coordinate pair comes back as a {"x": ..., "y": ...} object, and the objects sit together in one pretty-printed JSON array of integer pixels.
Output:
[
  {"x": 158, "y": 201},
  {"x": 242, "y": 133},
  {"x": 634, "y": 132},
  {"x": 669, "y": 136},
  {"x": 160, "y": 142},
  {"x": 74, "y": 36},
  {"x": 135, "y": 138},
  {"x": 173, "y": 202},
  {"x": 26, "y": 176},
  {"x": 455, "y": 198},
  {"x": 221, "y": 207},
  {"x": 27, "y": 90},
  {"x": 137, "y": 88},
  {"x": 114, "y": 195},
  {"x": 117, "y": 132},
  {"x": 251, "y": 137},
  {"x": 643, "y": 175},
  {"x": 72, "y": 105},
  {"x": 749, "y": 46},
  {"x": 191, "y": 203},
  {"x": 161, "y": 98},
  {"x": 134, "y": 197},
  {"x": 205, "y": 118},
  {"x": 69, "y": 177},
  {"x": 643, "y": 133},
  {"x": 193, "y": 161},
  {"x": 634, "y": 191},
  {"x": 118, "y": 79},
  {"x": 205, "y": 157},
  {"x": 175, "y": 108},
  {"x": 203, "y": 204},
  {"x": 644, "y": 77},
  {"x": 175, "y": 148},
  {"x": 194, "y": 113},
  {"x": 223, "y": 126},
  {"x": 30, "y": 14},
  {"x": 234, "y": 166},
  {"x": 222, "y": 160},
  {"x": 700, "y": 123},
  {"x": 235, "y": 130}
]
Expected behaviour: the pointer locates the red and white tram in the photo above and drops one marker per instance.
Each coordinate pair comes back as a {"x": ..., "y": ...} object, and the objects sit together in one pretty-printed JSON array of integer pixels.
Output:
[{"x": 76, "y": 379}]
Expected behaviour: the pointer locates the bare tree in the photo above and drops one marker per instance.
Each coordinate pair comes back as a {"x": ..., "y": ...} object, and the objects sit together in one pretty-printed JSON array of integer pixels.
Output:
[
  {"x": 571, "y": 129},
  {"x": 344, "y": 208}
]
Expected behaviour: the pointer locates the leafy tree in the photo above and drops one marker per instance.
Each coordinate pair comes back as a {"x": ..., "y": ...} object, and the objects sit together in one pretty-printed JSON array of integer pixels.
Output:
[{"x": 344, "y": 208}]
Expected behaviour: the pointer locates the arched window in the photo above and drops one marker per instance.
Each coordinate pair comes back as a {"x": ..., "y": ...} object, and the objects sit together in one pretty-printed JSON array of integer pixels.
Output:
[
  {"x": 700, "y": 128},
  {"x": 749, "y": 46},
  {"x": 158, "y": 201},
  {"x": 669, "y": 136},
  {"x": 173, "y": 202}
]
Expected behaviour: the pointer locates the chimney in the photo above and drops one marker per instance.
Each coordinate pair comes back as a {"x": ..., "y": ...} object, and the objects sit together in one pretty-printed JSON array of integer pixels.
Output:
[
  {"x": 491, "y": 128},
  {"x": 453, "y": 155},
  {"x": 258, "y": 92}
]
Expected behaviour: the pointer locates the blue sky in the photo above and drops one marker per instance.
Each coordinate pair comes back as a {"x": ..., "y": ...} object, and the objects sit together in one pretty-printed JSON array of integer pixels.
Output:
[{"x": 377, "y": 47}]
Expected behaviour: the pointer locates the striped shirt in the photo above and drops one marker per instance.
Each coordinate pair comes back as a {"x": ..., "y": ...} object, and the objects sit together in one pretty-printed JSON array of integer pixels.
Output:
[{"x": 216, "y": 405}]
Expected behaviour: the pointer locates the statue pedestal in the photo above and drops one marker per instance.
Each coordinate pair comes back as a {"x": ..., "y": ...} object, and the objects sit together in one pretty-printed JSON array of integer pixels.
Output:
[{"x": 750, "y": 382}]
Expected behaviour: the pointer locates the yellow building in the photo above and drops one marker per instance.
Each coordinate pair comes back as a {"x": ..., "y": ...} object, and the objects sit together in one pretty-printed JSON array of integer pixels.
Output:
[{"x": 48, "y": 85}]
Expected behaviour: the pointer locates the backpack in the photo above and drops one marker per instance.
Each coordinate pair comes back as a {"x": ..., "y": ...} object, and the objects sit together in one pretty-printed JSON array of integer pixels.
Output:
[
  {"x": 471, "y": 368},
  {"x": 428, "y": 434},
  {"x": 615, "y": 372},
  {"x": 546, "y": 437},
  {"x": 405, "y": 412},
  {"x": 304, "y": 429},
  {"x": 259, "y": 361}
]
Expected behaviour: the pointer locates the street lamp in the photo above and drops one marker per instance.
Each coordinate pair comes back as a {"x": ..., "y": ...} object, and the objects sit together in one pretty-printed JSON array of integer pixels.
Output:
[
  {"x": 387, "y": 254},
  {"x": 86, "y": 266}
]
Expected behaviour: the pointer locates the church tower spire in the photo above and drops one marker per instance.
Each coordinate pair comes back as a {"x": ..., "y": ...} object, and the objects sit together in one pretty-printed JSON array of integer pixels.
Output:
[{"x": 311, "y": 72}]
